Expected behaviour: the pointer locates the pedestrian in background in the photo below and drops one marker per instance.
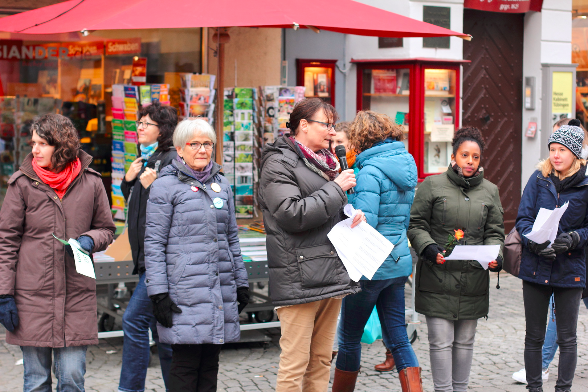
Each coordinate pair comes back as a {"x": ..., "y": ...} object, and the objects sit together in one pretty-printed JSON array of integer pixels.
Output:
[
  {"x": 385, "y": 191},
  {"x": 302, "y": 196},
  {"x": 155, "y": 129},
  {"x": 454, "y": 294},
  {"x": 47, "y": 307},
  {"x": 195, "y": 273},
  {"x": 557, "y": 268}
]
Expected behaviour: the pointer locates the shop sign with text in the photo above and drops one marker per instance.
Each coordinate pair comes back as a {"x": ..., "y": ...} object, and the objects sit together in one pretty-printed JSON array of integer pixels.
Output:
[
  {"x": 14, "y": 50},
  {"x": 512, "y": 6},
  {"x": 127, "y": 46}
]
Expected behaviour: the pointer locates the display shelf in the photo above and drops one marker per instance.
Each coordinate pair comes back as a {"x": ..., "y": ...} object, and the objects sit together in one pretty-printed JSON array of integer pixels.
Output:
[
  {"x": 431, "y": 109},
  {"x": 429, "y": 95},
  {"x": 384, "y": 95}
]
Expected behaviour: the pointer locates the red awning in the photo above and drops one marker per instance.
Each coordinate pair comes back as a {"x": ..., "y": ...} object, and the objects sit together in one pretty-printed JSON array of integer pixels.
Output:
[{"x": 342, "y": 16}]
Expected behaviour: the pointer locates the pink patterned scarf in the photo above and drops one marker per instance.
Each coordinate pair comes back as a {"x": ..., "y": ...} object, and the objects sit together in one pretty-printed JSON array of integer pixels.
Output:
[{"x": 322, "y": 162}]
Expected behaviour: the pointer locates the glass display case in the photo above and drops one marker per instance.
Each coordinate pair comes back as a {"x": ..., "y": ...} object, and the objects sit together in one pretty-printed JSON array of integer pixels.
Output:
[
  {"x": 318, "y": 78},
  {"x": 423, "y": 96}
]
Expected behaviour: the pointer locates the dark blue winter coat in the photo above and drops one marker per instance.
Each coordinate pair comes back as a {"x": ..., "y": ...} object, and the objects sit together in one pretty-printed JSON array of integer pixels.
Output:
[
  {"x": 569, "y": 269},
  {"x": 385, "y": 192},
  {"x": 192, "y": 252}
]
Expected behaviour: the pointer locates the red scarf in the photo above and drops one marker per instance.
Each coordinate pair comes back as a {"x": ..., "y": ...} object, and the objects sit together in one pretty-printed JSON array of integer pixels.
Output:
[{"x": 59, "y": 182}]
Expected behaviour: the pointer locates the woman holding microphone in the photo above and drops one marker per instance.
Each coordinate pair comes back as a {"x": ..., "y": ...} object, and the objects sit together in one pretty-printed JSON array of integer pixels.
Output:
[{"x": 302, "y": 196}]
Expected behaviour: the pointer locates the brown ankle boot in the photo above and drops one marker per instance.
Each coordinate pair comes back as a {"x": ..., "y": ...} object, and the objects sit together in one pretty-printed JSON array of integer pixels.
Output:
[
  {"x": 388, "y": 365},
  {"x": 344, "y": 381},
  {"x": 410, "y": 379}
]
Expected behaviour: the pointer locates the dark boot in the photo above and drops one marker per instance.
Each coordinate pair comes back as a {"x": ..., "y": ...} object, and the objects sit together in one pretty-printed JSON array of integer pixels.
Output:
[
  {"x": 536, "y": 389},
  {"x": 388, "y": 365},
  {"x": 344, "y": 381},
  {"x": 561, "y": 389},
  {"x": 410, "y": 379}
]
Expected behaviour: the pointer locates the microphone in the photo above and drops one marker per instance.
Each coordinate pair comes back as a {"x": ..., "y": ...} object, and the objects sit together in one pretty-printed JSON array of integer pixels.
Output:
[{"x": 341, "y": 154}]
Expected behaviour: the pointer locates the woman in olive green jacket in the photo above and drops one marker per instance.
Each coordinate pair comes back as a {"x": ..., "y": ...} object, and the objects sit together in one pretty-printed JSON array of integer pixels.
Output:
[{"x": 454, "y": 294}]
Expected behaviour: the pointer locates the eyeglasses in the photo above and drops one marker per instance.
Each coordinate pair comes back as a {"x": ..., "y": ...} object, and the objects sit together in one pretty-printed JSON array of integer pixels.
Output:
[
  {"x": 144, "y": 124},
  {"x": 196, "y": 146},
  {"x": 328, "y": 125}
]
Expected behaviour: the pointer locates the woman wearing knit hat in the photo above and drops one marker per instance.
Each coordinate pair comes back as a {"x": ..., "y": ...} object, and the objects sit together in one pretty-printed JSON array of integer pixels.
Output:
[{"x": 556, "y": 268}]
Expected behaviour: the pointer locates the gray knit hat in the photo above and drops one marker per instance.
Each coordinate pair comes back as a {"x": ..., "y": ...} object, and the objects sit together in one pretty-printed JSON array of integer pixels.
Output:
[{"x": 569, "y": 136}]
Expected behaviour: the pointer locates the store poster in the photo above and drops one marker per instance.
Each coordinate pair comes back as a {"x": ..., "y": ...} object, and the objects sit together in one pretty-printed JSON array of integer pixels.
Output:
[
  {"x": 436, "y": 156},
  {"x": 139, "y": 71},
  {"x": 442, "y": 133},
  {"x": 384, "y": 81},
  {"x": 562, "y": 94}
]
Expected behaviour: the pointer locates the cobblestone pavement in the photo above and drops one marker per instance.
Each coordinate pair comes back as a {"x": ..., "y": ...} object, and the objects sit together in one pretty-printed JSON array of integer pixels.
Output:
[{"x": 253, "y": 367}]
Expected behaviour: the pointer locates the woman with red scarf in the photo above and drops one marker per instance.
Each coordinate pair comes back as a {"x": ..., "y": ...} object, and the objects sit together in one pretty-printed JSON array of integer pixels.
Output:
[{"x": 47, "y": 307}]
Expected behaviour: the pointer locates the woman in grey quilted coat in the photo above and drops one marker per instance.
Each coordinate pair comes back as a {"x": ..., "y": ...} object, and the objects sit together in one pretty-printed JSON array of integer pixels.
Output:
[{"x": 195, "y": 273}]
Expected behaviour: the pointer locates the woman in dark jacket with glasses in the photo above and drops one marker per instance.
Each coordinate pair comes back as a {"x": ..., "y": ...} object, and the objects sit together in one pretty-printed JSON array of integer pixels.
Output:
[{"x": 155, "y": 129}]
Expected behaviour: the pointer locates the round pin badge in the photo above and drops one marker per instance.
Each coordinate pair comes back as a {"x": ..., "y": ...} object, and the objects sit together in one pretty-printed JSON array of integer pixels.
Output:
[
  {"x": 194, "y": 189},
  {"x": 215, "y": 187},
  {"x": 218, "y": 202}
]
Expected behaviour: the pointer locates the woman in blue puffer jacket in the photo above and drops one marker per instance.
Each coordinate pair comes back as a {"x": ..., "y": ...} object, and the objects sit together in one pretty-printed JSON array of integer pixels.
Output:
[
  {"x": 385, "y": 192},
  {"x": 557, "y": 268},
  {"x": 195, "y": 273}
]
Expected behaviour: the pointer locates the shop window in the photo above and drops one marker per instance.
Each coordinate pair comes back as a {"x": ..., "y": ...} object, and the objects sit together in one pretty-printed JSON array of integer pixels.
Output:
[
  {"x": 318, "y": 79},
  {"x": 76, "y": 78},
  {"x": 420, "y": 95},
  {"x": 387, "y": 91}
]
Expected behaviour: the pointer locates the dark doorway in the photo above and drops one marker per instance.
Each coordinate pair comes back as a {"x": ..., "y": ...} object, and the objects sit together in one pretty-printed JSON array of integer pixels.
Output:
[{"x": 492, "y": 98}]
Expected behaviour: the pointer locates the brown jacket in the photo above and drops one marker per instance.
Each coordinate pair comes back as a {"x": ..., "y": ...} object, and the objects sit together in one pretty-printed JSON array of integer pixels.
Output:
[{"x": 56, "y": 305}]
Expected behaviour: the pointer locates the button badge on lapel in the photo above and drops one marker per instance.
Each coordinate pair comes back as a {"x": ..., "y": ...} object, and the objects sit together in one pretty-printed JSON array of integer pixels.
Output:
[
  {"x": 218, "y": 202},
  {"x": 215, "y": 187}
]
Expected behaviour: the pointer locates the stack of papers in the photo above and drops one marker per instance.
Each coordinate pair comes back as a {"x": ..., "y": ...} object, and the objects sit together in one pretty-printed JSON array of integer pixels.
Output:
[
  {"x": 546, "y": 225},
  {"x": 361, "y": 249},
  {"x": 483, "y": 254}
]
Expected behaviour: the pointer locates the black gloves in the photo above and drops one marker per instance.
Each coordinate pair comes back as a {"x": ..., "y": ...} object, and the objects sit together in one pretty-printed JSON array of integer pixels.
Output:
[
  {"x": 499, "y": 267},
  {"x": 565, "y": 242},
  {"x": 542, "y": 250},
  {"x": 8, "y": 312},
  {"x": 431, "y": 251},
  {"x": 86, "y": 242},
  {"x": 242, "y": 297},
  {"x": 163, "y": 307}
]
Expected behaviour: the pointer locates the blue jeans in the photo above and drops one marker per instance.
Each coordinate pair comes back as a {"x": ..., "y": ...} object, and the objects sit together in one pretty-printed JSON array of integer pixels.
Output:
[
  {"x": 70, "y": 367},
  {"x": 388, "y": 297},
  {"x": 550, "y": 344},
  {"x": 137, "y": 320}
]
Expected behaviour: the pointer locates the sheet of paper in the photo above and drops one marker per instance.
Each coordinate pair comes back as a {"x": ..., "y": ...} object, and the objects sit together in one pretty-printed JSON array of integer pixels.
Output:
[
  {"x": 83, "y": 262},
  {"x": 483, "y": 254},
  {"x": 361, "y": 249},
  {"x": 546, "y": 225}
]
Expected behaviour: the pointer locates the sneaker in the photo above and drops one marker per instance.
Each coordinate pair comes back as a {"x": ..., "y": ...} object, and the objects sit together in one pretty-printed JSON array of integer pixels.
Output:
[{"x": 521, "y": 376}]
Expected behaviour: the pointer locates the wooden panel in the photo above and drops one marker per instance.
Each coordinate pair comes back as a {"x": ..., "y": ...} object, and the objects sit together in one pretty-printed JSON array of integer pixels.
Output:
[{"x": 492, "y": 98}]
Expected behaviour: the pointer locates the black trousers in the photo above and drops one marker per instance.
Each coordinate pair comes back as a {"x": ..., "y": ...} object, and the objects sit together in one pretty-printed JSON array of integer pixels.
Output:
[
  {"x": 194, "y": 367},
  {"x": 567, "y": 306}
]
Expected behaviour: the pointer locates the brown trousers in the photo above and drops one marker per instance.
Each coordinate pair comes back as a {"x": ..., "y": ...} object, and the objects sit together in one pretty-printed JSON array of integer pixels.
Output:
[{"x": 308, "y": 332}]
